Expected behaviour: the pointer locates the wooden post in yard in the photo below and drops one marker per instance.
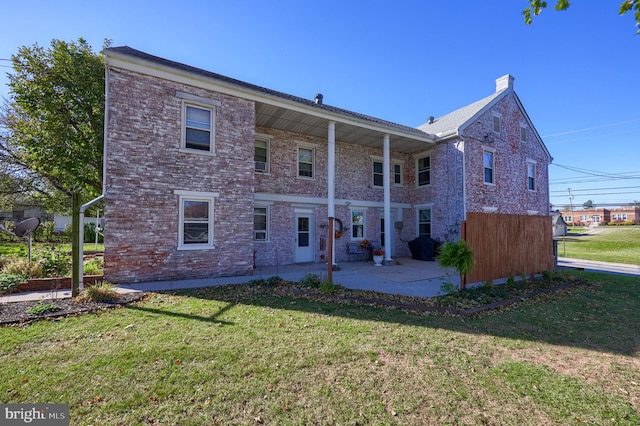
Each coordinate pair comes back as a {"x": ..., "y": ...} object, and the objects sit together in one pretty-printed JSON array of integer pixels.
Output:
[
  {"x": 76, "y": 228},
  {"x": 463, "y": 236}
]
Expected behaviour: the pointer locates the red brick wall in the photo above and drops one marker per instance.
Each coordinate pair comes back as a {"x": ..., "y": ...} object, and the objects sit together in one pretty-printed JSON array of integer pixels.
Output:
[
  {"x": 509, "y": 194},
  {"x": 144, "y": 168}
]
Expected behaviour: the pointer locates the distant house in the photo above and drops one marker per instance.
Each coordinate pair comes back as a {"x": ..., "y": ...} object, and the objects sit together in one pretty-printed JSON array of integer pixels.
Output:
[
  {"x": 558, "y": 223},
  {"x": 210, "y": 176},
  {"x": 598, "y": 216}
]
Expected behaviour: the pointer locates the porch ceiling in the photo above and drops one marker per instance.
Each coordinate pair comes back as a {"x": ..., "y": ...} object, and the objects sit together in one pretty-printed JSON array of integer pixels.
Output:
[{"x": 349, "y": 131}]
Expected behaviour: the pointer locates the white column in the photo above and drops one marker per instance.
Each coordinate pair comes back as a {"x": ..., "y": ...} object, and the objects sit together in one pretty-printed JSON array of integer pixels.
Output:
[
  {"x": 386, "y": 177},
  {"x": 331, "y": 174}
]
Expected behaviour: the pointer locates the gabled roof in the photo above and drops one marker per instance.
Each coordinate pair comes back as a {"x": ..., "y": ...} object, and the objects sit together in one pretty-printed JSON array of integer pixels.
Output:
[
  {"x": 454, "y": 123},
  {"x": 449, "y": 124}
]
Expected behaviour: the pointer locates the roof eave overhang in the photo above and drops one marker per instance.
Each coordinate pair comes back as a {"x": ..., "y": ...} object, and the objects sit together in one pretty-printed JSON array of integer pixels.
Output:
[{"x": 132, "y": 63}]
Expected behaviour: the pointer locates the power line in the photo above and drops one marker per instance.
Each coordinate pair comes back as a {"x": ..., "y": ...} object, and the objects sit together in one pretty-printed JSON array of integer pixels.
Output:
[
  {"x": 597, "y": 189},
  {"x": 592, "y": 128}
]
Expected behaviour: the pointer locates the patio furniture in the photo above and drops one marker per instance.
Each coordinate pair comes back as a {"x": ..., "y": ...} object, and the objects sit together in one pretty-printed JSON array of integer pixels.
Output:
[{"x": 356, "y": 252}]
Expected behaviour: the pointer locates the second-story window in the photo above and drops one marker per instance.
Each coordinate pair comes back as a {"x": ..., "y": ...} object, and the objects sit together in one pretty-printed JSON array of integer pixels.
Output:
[
  {"x": 424, "y": 171},
  {"x": 261, "y": 154},
  {"x": 306, "y": 159},
  {"x": 488, "y": 167},
  {"x": 378, "y": 176}
]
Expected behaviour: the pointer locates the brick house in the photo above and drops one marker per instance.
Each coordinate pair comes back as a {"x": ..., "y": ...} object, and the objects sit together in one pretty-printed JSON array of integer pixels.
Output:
[
  {"x": 598, "y": 216},
  {"x": 210, "y": 176}
]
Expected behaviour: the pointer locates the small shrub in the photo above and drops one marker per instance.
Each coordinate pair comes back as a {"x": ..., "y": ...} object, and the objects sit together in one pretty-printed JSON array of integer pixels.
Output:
[
  {"x": 99, "y": 292},
  {"x": 448, "y": 287},
  {"x": 327, "y": 287},
  {"x": 22, "y": 266},
  {"x": 94, "y": 266},
  {"x": 311, "y": 280},
  {"x": 273, "y": 281},
  {"x": 55, "y": 263},
  {"x": 9, "y": 282},
  {"x": 44, "y": 232},
  {"x": 42, "y": 308},
  {"x": 511, "y": 281}
]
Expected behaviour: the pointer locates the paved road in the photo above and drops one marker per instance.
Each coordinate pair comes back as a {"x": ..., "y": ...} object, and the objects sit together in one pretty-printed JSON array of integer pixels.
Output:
[{"x": 592, "y": 265}]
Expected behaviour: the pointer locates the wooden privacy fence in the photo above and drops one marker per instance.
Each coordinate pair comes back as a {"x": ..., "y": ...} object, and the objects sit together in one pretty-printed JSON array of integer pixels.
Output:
[{"x": 505, "y": 245}]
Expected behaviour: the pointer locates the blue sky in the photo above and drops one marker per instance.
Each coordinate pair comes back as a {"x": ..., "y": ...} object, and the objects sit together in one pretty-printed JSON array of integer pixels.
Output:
[{"x": 575, "y": 71}]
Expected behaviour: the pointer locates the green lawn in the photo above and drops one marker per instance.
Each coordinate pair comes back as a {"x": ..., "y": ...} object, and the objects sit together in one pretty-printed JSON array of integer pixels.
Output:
[
  {"x": 618, "y": 244},
  {"x": 237, "y": 356}
]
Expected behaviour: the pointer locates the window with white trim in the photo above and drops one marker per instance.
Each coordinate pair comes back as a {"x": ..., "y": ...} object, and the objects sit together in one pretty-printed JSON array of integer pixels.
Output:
[
  {"x": 424, "y": 222},
  {"x": 497, "y": 123},
  {"x": 568, "y": 218},
  {"x": 195, "y": 220},
  {"x": 397, "y": 174},
  {"x": 306, "y": 162},
  {"x": 489, "y": 166},
  {"x": 261, "y": 154},
  {"x": 423, "y": 166},
  {"x": 198, "y": 127},
  {"x": 619, "y": 216},
  {"x": 261, "y": 223},
  {"x": 357, "y": 224},
  {"x": 378, "y": 175},
  {"x": 596, "y": 218},
  {"x": 531, "y": 175},
  {"x": 523, "y": 133}
]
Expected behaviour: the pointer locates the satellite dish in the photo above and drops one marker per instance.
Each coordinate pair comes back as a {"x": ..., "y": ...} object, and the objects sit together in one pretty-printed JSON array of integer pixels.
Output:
[{"x": 26, "y": 227}]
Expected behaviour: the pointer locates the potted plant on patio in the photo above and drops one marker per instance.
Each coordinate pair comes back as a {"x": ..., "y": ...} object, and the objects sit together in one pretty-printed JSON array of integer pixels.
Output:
[{"x": 378, "y": 256}]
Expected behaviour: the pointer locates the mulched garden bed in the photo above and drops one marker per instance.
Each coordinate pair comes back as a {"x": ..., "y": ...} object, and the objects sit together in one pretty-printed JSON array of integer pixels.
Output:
[
  {"x": 470, "y": 302},
  {"x": 16, "y": 313}
]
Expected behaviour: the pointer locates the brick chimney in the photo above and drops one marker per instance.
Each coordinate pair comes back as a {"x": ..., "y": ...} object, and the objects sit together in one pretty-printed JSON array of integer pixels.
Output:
[{"x": 504, "y": 82}]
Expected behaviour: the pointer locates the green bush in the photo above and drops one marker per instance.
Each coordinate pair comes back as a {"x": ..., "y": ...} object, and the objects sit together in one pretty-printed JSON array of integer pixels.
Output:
[
  {"x": 620, "y": 223},
  {"x": 99, "y": 292},
  {"x": 311, "y": 280},
  {"x": 9, "y": 282},
  {"x": 94, "y": 266},
  {"x": 457, "y": 255},
  {"x": 45, "y": 231},
  {"x": 55, "y": 263},
  {"x": 42, "y": 308},
  {"x": 22, "y": 266},
  {"x": 327, "y": 287}
]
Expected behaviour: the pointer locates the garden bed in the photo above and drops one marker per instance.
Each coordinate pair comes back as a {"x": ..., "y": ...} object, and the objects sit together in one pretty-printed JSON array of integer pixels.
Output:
[{"x": 39, "y": 284}]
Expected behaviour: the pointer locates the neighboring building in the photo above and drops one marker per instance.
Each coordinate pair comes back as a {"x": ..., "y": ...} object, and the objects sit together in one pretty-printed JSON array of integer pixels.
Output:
[
  {"x": 558, "y": 224},
  {"x": 211, "y": 176},
  {"x": 602, "y": 216},
  {"x": 21, "y": 211}
]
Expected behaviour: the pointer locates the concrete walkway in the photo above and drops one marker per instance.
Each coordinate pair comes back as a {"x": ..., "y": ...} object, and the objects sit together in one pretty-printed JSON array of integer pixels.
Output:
[{"x": 409, "y": 277}]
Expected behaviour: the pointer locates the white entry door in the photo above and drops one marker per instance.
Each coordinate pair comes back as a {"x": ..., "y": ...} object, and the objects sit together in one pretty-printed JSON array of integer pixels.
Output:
[{"x": 303, "y": 237}]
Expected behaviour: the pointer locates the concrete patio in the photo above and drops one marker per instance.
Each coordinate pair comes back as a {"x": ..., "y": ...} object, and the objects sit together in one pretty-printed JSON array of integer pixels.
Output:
[{"x": 408, "y": 277}]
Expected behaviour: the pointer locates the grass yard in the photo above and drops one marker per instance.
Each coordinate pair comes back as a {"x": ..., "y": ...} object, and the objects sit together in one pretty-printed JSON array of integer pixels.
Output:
[
  {"x": 235, "y": 356},
  {"x": 618, "y": 244},
  {"x": 21, "y": 248}
]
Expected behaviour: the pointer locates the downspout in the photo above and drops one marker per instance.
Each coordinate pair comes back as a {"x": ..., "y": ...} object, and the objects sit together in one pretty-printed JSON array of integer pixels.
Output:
[
  {"x": 464, "y": 178},
  {"x": 84, "y": 207}
]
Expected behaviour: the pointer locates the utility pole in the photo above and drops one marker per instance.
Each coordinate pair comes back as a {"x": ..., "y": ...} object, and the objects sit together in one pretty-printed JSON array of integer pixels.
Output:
[{"x": 571, "y": 207}]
